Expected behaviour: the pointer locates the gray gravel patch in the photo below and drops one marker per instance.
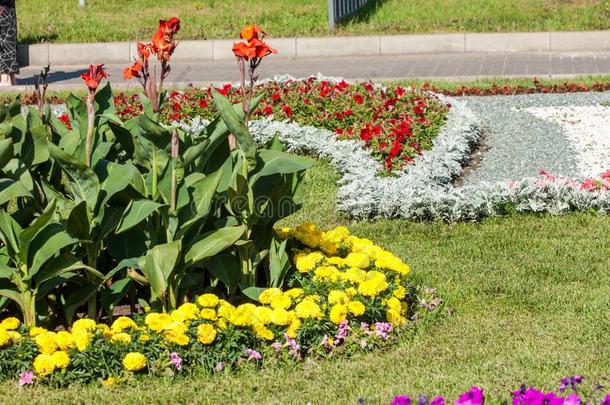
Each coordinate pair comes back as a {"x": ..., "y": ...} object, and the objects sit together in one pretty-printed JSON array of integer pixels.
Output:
[{"x": 519, "y": 144}]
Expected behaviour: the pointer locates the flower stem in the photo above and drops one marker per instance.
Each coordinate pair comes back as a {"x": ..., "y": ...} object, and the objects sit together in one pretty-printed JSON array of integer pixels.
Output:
[{"x": 90, "y": 128}]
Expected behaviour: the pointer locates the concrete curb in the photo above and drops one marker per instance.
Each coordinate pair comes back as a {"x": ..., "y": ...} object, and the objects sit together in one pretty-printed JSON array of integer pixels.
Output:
[{"x": 292, "y": 48}]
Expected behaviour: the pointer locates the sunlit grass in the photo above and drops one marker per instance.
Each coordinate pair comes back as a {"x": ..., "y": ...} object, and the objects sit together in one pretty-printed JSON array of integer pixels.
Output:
[
  {"x": 128, "y": 20},
  {"x": 530, "y": 300}
]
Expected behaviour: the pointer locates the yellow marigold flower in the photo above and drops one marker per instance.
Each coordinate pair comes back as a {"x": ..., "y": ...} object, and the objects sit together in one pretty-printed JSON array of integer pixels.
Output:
[
  {"x": 335, "y": 261},
  {"x": 293, "y": 329},
  {"x": 262, "y": 332},
  {"x": 395, "y": 318},
  {"x": 307, "y": 262},
  {"x": 281, "y": 317},
  {"x": 208, "y": 313},
  {"x": 308, "y": 234},
  {"x": 294, "y": 293},
  {"x": 102, "y": 327},
  {"x": 359, "y": 245},
  {"x": 386, "y": 260},
  {"x": 393, "y": 304},
  {"x": 10, "y": 323},
  {"x": 82, "y": 339},
  {"x": 358, "y": 260},
  {"x": 157, "y": 322},
  {"x": 327, "y": 274},
  {"x": 351, "y": 292},
  {"x": 110, "y": 382},
  {"x": 46, "y": 342},
  {"x": 400, "y": 292},
  {"x": 337, "y": 297},
  {"x": 281, "y": 301},
  {"x": 176, "y": 337},
  {"x": 36, "y": 330},
  {"x": 208, "y": 300},
  {"x": 189, "y": 310},
  {"x": 356, "y": 308},
  {"x": 5, "y": 338},
  {"x": 329, "y": 247},
  {"x": 268, "y": 295},
  {"x": 61, "y": 359},
  {"x": 337, "y": 235},
  {"x": 121, "y": 338},
  {"x": 308, "y": 309},
  {"x": 15, "y": 336},
  {"x": 372, "y": 288},
  {"x": 206, "y": 334},
  {"x": 179, "y": 327},
  {"x": 354, "y": 275},
  {"x": 144, "y": 338},
  {"x": 64, "y": 340},
  {"x": 44, "y": 365},
  {"x": 122, "y": 323},
  {"x": 178, "y": 316},
  {"x": 261, "y": 316},
  {"x": 84, "y": 324},
  {"x": 221, "y": 324},
  {"x": 225, "y": 310},
  {"x": 242, "y": 316},
  {"x": 134, "y": 361},
  {"x": 338, "y": 313}
]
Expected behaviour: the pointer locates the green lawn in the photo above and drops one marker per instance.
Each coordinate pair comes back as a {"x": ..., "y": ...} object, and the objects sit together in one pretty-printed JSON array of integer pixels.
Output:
[
  {"x": 114, "y": 20},
  {"x": 530, "y": 299}
]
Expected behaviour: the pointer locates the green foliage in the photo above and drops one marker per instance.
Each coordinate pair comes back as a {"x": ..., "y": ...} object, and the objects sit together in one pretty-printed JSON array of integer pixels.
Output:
[{"x": 158, "y": 216}]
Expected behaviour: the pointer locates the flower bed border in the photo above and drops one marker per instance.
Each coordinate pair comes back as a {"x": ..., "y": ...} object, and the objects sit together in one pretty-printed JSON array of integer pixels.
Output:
[{"x": 424, "y": 191}]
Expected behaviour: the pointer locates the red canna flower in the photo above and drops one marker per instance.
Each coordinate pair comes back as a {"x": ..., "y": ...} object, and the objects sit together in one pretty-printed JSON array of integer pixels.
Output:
[
  {"x": 163, "y": 44},
  {"x": 253, "y": 48},
  {"x": 144, "y": 50},
  {"x": 94, "y": 76},
  {"x": 244, "y": 51},
  {"x": 134, "y": 70},
  {"x": 252, "y": 32}
]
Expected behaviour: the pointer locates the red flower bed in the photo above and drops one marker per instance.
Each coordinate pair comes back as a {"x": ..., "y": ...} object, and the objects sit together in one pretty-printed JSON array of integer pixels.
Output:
[
  {"x": 397, "y": 124},
  {"x": 510, "y": 90}
]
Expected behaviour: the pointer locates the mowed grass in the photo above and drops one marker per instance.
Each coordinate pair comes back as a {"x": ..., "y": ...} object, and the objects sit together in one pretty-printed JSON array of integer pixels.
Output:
[
  {"x": 128, "y": 20},
  {"x": 529, "y": 299}
]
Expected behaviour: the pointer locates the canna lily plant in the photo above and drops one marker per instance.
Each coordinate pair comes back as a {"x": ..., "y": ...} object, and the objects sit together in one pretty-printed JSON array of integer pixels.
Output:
[
  {"x": 162, "y": 46},
  {"x": 96, "y": 212}
]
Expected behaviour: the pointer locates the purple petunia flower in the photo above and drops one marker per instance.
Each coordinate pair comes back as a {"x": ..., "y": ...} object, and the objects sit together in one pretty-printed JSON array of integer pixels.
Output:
[
  {"x": 533, "y": 396},
  {"x": 571, "y": 382},
  {"x": 518, "y": 395},
  {"x": 401, "y": 400},
  {"x": 176, "y": 360},
  {"x": 253, "y": 355},
  {"x": 26, "y": 378},
  {"x": 474, "y": 396},
  {"x": 292, "y": 345},
  {"x": 326, "y": 343},
  {"x": 605, "y": 401},
  {"x": 572, "y": 399},
  {"x": 277, "y": 346},
  {"x": 383, "y": 329},
  {"x": 423, "y": 400},
  {"x": 342, "y": 333},
  {"x": 438, "y": 401}
]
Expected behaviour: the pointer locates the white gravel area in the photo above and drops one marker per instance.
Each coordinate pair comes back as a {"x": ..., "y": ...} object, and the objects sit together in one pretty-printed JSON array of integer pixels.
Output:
[{"x": 588, "y": 130}]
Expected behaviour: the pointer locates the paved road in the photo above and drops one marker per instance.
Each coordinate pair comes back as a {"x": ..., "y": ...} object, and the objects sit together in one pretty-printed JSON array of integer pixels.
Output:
[{"x": 375, "y": 68}]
